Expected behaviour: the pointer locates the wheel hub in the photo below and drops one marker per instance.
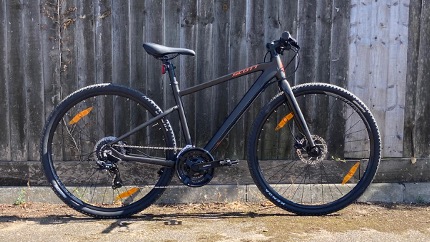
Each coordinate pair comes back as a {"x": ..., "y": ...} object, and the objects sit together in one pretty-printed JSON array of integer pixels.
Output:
[
  {"x": 103, "y": 151},
  {"x": 316, "y": 154}
]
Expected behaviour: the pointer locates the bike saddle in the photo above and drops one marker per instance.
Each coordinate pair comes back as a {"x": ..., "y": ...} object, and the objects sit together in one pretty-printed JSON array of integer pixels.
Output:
[{"x": 159, "y": 51}]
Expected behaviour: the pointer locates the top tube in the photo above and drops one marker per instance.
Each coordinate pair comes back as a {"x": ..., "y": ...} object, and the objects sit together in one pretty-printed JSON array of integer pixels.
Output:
[{"x": 252, "y": 69}]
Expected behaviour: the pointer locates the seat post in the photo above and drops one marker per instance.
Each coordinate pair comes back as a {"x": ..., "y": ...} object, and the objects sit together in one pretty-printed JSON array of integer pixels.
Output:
[{"x": 175, "y": 89}]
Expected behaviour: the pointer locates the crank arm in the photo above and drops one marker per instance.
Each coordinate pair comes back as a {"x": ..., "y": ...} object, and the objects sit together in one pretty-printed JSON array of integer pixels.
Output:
[{"x": 213, "y": 164}]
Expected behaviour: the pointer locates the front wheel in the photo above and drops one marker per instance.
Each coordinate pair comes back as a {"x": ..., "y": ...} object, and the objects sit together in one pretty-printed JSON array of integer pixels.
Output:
[
  {"x": 77, "y": 151},
  {"x": 328, "y": 178}
]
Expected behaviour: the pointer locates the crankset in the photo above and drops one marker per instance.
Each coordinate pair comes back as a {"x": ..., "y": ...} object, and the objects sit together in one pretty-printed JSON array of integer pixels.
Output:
[
  {"x": 195, "y": 166},
  {"x": 187, "y": 169}
]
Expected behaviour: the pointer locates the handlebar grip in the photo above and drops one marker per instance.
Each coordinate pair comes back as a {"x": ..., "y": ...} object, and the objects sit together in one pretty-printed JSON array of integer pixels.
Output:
[{"x": 286, "y": 37}]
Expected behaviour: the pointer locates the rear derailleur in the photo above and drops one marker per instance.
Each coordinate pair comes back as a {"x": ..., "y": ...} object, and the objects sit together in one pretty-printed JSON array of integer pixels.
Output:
[{"x": 107, "y": 161}]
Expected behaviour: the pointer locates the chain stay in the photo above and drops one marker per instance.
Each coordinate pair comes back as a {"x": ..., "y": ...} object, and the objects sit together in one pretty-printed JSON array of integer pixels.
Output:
[{"x": 147, "y": 147}]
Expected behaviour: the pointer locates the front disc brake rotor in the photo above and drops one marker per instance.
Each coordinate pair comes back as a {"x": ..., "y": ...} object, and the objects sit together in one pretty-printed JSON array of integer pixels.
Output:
[{"x": 313, "y": 160}]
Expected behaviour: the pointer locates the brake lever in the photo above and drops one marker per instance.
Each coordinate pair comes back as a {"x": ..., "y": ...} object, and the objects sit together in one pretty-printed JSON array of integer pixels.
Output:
[{"x": 286, "y": 37}]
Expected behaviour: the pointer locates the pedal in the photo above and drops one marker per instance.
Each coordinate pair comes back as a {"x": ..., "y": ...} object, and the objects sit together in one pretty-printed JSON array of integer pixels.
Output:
[{"x": 228, "y": 162}]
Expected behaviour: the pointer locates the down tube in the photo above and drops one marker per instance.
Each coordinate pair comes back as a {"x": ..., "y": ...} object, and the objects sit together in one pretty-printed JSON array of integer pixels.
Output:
[{"x": 240, "y": 108}]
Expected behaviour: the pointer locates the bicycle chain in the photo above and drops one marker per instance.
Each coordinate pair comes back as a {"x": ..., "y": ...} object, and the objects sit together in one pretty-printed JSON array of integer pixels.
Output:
[{"x": 147, "y": 147}]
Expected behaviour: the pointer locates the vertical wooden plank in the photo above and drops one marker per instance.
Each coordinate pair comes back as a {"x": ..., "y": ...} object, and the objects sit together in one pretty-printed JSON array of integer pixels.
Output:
[
  {"x": 288, "y": 19},
  {"x": 85, "y": 43},
  {"x": 422, "y": 110},
  {"x": 259, "y": 15},
  {"x": 363, "y": 76},
  {"x": 377, "y": 53},
  {"x": 17, "y": 101},
  {"x": 172, "y": 12},
  {"x": 220, "y": 50},
  {"x": 323, "y": 40},
  {"x": 103, "y": 40},
  {"x": 120, "y": 61},
  {"x": 136, "y": 35},
  {"x": 339, "y": 55},
  {"x": 379, "y": 67},
  {"x": 50, "y": 44},
  {"x": 4, "y": 84},
  {"x": 103, "y": 55},
  {"x": 306, "y": 38},
  {"x": 255, "y": 31},
  {"x": 359, "y": 50},
  {"x": 396, "y": 79},
  {"x": 172, "y": 35},
  {"x": 360, "y": 54},
  {"x": 271, "y": 22},
  {"x": 411, "y": 78},
  {"x": 67, "y": 21},
  {"x": 120, "y": 43},
  {"x": 204, "y": 105},
  {"x": 187, "y": 65},
  {"x": 154, "y": 33},
  {"x": 338, "y": 66},
  {"x": 33, "y": 78},
  {"x": 237, "y": 61},
  {"x": 322, "y": 55},
  {"x": 362, "y": 58}
]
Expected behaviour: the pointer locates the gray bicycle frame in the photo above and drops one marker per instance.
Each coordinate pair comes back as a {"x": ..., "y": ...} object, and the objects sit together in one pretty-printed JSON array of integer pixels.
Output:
[{"x": 270, "y": 70}]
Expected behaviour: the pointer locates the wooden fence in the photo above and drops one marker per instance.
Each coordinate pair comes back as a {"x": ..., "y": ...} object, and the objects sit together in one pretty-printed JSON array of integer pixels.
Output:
[{"x": 376, "y": 49}]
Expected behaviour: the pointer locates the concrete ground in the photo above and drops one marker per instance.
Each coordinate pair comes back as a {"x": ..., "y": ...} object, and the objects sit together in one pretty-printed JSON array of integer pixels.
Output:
[
  {"x": 217, "y": 222},
  {"x": 220, "y": 213}
]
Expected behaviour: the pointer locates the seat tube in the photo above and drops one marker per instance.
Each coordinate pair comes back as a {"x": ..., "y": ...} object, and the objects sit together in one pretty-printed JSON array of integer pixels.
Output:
[
  {"x": 292, "y": 103},
  {"x": 175, "y": 89}
]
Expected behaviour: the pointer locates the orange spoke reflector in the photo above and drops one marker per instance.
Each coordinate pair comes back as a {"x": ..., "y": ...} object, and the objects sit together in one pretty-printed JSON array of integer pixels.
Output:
[
  {"x": 284, "y": 121},
  {"x": 351, "y": 173},
  {"x": 127, "y": 193},
  {"x": 80, "y": 115}
]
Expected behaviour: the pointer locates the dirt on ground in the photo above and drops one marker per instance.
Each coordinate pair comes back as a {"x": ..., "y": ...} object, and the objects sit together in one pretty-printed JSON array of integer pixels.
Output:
[{"x": 217, "y": 222}]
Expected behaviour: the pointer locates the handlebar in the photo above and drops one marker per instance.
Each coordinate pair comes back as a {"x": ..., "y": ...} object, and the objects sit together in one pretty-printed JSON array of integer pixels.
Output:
[{"x": 286, "y": 42}]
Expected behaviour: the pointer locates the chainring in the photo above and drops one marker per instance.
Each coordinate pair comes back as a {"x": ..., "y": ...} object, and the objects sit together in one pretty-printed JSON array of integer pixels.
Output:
[{"x": 184, "y": 167}]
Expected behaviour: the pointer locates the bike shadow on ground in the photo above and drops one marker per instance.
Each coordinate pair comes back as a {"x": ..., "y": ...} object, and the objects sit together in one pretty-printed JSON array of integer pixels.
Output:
[{"x": 161, "y": 217}]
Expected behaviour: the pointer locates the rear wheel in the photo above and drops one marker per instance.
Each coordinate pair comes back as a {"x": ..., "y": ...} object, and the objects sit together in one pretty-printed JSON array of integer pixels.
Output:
[
  {"x": 332, "y": 176},
  {"x": 77, "y": 157}
]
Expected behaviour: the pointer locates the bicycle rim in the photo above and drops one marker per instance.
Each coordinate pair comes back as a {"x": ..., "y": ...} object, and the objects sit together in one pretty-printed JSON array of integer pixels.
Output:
[
  {"x": 341, "y": 126},
  {"x": 73, "y": 158}
]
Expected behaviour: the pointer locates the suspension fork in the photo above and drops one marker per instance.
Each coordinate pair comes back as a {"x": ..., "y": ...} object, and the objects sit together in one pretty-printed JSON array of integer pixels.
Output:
[{"x": 293, "y": 105}]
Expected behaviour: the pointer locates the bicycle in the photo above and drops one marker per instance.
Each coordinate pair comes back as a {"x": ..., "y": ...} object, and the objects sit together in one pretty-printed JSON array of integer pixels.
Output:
[{"x": 109, "y": 151}]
